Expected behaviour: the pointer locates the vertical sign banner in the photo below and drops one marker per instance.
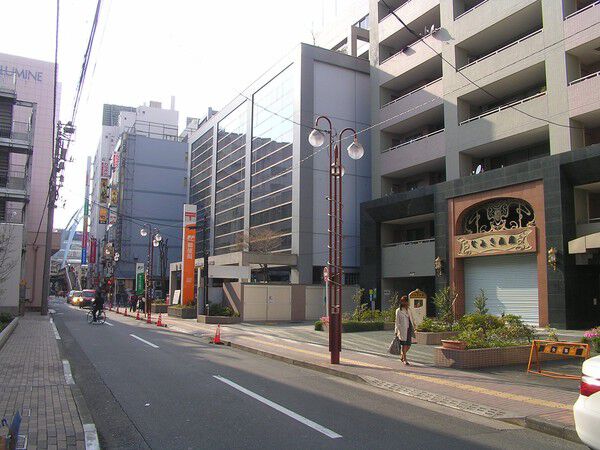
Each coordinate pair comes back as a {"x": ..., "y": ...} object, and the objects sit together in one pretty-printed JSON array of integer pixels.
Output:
[
  {"x": 139, "y": 278},
  {"x": 104, "y": 191},
  {"x": 103, "y": 215},
  {"x": 105, "y": 169},
  {"x": 188, "y": 254},
  {"x": 93, "y": 246}
]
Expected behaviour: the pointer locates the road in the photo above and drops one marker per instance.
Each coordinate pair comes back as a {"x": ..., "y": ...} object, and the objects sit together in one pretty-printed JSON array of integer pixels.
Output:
[{"x": 148, "y": 387}]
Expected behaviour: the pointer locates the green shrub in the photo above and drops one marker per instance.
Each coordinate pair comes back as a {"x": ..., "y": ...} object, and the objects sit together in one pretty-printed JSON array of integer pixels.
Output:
[
  {"x": 5, "y": 317},
  {"x": 444, "y": 306},
  {"x": 318, "y": 325},
  {"x": 432, "y": 325},
  {"x": 220, "y": 310},
  {"x": 480, "y": 303},
  {"x": 487, "y": 330},
  {"x": 356, "y": 326}
]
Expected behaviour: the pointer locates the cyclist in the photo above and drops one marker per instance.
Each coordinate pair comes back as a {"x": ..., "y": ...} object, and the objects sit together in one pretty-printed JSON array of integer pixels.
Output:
[{"x": 98, "y": 303}]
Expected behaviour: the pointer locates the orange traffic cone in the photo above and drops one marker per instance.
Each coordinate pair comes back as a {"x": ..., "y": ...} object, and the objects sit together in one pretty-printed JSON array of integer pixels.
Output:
[
  {"x": 149, "y": 317},
  {"x": 160, "y": 323},
  {"x": 137, "y": 316},
  {"x": 125, "y": 312},
  {"x": 217, "y": 338}
]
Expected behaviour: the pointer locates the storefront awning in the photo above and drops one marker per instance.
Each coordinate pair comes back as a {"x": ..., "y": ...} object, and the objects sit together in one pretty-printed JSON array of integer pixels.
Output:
[{"x": 584, "y": 243}]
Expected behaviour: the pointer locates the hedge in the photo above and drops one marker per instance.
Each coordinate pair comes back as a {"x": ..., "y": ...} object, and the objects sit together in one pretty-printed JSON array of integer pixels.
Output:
[{"x": 354, "y": 326}]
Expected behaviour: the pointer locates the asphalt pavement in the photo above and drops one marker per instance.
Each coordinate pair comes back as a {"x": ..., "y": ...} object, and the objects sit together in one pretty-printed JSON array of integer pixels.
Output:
[{"x": 148, "y": 387}]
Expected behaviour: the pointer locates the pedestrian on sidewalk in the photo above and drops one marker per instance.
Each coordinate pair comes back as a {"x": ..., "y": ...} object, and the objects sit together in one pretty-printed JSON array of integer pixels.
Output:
[
  {"x": 404, "y": 328},
  {"x": 133, "y": 299}
]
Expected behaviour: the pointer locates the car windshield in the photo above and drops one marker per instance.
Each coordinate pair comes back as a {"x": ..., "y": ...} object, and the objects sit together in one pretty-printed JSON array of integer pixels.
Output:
[{"x": 88, "y": 293}]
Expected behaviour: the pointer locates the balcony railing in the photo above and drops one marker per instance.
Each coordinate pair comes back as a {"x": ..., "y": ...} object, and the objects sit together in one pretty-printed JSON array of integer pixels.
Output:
[
  {"x": 506, "y": 47},
  {"x": 410, "y": 141},
  {"x": 470, "y": 9},
  {"x": 13, "y": 178},
  {"x": 8, "y": 82},
  {"x": 11, "y": 215},
  {"x": 397, "y": 10},
  {"x": 431, "y": 33},
  {"x": 579, "y": 11},
  {"x": 400, "y": 244},
  {"x": 503, "y": 107},
  {"x": 587, "y": 77},
  {"x": 19, "y": 131},
  {"x": 411, "y": 93}
]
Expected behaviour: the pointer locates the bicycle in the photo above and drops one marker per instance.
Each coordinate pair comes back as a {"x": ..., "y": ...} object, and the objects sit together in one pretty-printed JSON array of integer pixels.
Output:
[{"x": 100, "y": 316}]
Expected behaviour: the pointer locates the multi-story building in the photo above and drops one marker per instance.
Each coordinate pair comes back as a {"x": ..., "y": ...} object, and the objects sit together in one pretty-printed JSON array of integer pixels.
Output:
[
  {"x": 26, "y": 142},
  {"x": 143, "y": 182},
  {"x": 483, "y": 155},
  {"x": 252, "y": 168}
]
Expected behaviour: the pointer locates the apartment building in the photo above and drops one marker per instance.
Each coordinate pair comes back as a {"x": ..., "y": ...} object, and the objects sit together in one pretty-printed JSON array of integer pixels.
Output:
[
  {"x": 139, "y": 180},
  {"x": 485, "y": 171},
  {"x": 253, "y": 169},
  {"x": 26, "y": 142}
]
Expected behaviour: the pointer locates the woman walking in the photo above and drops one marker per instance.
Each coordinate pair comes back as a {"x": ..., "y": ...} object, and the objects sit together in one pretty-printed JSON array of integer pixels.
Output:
[{"x": 404, "y": 328}]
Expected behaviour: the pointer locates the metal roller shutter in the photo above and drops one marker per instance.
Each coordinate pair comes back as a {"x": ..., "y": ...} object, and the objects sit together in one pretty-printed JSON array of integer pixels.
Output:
[{"x": 509, "y": 282}]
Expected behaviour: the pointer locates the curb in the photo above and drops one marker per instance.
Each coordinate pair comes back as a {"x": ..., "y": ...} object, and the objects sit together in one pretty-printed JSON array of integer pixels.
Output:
[
  {"x": 532, "y": 422},
  {"x": 5, "y": 334}
]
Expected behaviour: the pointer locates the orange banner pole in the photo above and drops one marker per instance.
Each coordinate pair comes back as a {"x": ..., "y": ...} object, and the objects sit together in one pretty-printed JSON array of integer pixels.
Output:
[{"x": 188, "y": 256}]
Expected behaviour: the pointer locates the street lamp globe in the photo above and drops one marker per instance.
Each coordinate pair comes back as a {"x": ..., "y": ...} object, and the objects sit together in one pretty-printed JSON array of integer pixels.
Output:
[
  {"x": 144, "y": 232},
  {"x": 343, "y": 171},
  {"x": 355, "y": 150},
  {"x": 316, "y": 138},
  {"x": 155, "y": 243},
  {"x": 158, "y": 237}
]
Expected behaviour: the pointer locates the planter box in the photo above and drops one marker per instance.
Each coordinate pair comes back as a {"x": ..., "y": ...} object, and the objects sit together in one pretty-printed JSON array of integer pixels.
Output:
[
  {"x": 387, "y": 326},
  {"x": 433, "y": 337},
  {"x": 7, "y": 331},
  {"x": 224, "y": 320},
  {"x": 156, "y": 309},
  {"x": 183, "y": 313},
  {"x": 485, "y": 357}
]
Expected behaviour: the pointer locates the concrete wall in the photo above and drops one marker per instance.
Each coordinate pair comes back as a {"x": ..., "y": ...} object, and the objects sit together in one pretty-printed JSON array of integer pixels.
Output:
[
  {"x": 408, "y": 259},
  {"x": 11, "y": 238}
]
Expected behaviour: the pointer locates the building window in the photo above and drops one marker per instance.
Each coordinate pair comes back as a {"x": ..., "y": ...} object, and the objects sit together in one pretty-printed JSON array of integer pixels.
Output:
[{"x": 352, "y": 278}]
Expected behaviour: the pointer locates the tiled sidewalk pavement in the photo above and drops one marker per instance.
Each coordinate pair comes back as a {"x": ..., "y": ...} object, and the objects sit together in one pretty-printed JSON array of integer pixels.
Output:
[{"x": 32, "y": 381}]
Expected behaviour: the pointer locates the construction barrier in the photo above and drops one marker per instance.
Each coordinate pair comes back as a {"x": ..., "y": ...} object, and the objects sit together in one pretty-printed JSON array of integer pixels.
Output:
[{"x": 565, "y": 349}]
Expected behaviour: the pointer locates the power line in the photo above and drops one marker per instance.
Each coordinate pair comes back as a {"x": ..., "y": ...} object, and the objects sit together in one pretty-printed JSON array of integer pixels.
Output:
[
  {"x": 420, "y": 38},
  {"x": 86, "y": 60}
]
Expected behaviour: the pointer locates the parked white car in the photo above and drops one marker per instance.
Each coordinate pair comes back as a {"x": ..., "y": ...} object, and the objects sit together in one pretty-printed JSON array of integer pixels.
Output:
[{"x": 587, "y": 406}]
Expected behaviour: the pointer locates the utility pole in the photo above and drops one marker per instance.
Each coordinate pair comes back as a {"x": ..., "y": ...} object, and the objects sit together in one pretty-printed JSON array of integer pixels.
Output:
[{"x": 59, "y": 154}]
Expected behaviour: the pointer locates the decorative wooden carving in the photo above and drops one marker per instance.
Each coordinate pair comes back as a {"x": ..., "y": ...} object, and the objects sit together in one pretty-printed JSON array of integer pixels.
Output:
[
  {"x": 517, "y": 240},
  {"x": 499, "y": 215}
]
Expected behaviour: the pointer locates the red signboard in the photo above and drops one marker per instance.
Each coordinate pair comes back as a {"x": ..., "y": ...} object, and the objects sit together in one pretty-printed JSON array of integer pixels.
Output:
[
  {"x": 188, "y": 256},
  {"x": 93, "y": 244}
]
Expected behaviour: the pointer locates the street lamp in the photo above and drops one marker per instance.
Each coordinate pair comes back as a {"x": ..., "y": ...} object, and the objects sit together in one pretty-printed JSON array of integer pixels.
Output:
[
  {"x": 334, "y": 263},
  {"x": 154, "y": 239}
]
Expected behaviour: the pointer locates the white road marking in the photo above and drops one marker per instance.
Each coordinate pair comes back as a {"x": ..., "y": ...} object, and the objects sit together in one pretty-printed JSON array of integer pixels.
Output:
[
  {"x": 91, "y": 437},
  {"x": 67, "y": 370},
  {"x": 109, "y": 324},
  {"x": 56, "y": 335},
  {"x": 144, "y": 341},
  {"x": 309, "y": 423},
  {"x": 180, "y": 330}
]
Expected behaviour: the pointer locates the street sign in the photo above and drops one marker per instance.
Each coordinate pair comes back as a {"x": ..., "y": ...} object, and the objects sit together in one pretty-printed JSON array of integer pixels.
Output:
[{"x": 139, "y": 278}]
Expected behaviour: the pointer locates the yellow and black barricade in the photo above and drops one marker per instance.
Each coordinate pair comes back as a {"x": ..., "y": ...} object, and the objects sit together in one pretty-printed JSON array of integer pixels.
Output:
[{"x": 565, "y": 349}]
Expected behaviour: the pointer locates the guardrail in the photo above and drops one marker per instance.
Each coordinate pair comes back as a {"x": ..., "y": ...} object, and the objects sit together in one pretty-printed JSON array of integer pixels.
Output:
[
  {"x": 512, "y": 44},
  {"x": 431, "y": 33},
  {"x": 400, "y": 244},
  {"x": 18, "y": 131},
  {"x": 11, "y": 215},
  {"x": 503, "y": 107},
  {"x": 471, "y": 9},
  {"x": 587, "y": 77},
  {"x": 579, "y": 11},
  {"x": 411, "y": 92},
  {"x": 13, "y": 178},
  {"x": 419, "y": 138}
]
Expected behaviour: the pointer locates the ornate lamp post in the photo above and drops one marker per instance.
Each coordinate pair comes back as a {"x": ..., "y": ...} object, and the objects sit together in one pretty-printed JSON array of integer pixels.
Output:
[
  {"x": 154, "y": 239},
  {"x": 334, "y": 262}
]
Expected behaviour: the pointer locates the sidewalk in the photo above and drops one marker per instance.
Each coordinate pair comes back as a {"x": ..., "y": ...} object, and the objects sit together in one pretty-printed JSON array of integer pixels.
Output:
[
  {"x": 32, "y": 381},
  {"x": 507, "y": 394}
]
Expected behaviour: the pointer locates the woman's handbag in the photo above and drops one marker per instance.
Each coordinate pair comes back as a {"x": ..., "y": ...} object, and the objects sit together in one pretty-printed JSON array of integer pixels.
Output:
[{"x": 395, "y": 346}]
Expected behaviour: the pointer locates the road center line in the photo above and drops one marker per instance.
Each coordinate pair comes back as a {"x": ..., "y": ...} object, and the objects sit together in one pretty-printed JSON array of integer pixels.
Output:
[
  {"x": 309, "y": 423},
  {"x": 109, "y": 324},
  {"x": 144, "y": 341}
]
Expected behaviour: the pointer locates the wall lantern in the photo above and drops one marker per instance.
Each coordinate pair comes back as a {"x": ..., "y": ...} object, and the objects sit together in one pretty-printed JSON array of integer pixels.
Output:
[
  {"x": 552, "y": 258},
  {"x": 437, "y": 265}
]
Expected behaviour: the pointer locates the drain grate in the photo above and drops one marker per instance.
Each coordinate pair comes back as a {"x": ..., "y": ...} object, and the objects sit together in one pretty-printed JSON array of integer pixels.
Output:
[{"x": 439, "y": 399}]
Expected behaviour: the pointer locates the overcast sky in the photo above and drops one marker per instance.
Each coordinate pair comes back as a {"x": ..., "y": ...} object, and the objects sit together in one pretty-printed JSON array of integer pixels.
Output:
[{"x": 202, "y": 52}]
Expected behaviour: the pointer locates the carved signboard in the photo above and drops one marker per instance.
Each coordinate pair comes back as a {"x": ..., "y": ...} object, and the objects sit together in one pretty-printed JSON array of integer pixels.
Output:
[{"x": 516, "y": 240}]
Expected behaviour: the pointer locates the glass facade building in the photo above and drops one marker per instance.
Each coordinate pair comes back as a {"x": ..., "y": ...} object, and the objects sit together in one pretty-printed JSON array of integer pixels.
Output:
[
  {"x": 272, "y": 148},
  {"x": 201, "y": 184}
]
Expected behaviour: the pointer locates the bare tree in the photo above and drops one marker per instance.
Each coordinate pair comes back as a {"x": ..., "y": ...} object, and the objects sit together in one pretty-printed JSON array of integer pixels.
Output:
[
  {"x": 7, "y": 261},
  {"x": 263, "y": 240}
]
